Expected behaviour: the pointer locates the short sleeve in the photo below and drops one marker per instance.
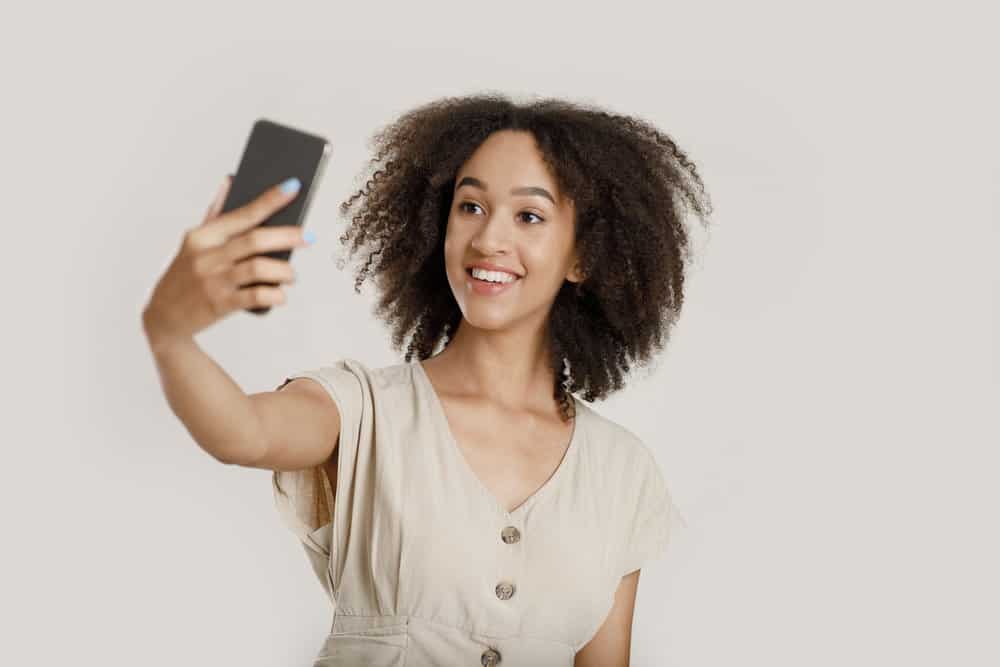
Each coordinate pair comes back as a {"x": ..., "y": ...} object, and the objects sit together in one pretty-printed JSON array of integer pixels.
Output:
[
  {"x": 305, "y": 499},
  {"x": 651, "y": 518}
]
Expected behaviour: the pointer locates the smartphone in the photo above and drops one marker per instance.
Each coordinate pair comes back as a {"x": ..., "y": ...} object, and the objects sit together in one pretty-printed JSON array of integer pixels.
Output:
[{"x": 273, "y": 154}]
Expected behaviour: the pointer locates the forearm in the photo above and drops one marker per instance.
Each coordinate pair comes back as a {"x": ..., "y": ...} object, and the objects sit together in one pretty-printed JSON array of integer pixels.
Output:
[{"x": 215, "y": 410}]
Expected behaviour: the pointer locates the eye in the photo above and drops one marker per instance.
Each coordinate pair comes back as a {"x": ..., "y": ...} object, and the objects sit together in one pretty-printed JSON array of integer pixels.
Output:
[{"x": 462, "y": 207}]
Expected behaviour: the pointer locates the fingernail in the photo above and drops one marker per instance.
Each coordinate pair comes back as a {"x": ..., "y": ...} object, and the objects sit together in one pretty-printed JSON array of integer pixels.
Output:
[
  {"x": 309, "y": 236},
  {"x": 290, "y": 186}
]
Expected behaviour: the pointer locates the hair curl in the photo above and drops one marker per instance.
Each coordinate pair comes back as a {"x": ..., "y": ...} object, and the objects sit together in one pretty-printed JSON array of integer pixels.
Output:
[{"x": 628, "y": 181}]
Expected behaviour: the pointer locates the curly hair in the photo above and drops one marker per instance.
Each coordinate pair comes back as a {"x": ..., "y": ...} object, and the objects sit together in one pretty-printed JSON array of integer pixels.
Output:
[{"x": 628, "y": 182}]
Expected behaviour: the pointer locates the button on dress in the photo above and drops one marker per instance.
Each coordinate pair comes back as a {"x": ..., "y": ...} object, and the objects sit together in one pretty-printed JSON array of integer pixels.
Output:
[{"x": 424, "y": 566}]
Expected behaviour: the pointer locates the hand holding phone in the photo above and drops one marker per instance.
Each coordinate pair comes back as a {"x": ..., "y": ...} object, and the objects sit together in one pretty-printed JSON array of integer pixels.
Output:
[
  {"x": 217, "y": 261},
  {"x": 238, "y": 256},
  {"x": 274, "y": 153}
]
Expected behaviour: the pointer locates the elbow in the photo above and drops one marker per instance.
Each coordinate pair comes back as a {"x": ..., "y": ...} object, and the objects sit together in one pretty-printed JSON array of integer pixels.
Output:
[
  {"x": 225, "y": 459},
  {"x": 246, "y": 457}
]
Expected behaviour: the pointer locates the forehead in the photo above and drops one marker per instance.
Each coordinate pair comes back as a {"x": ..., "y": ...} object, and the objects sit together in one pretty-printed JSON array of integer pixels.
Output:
[{"x": 509, "y": 158}]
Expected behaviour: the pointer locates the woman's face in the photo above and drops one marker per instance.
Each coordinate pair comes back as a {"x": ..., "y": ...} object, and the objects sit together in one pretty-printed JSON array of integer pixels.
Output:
[{"x": 507, "y": 211}]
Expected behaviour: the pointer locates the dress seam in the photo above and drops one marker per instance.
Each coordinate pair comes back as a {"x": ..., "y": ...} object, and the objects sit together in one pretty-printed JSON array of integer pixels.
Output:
[{"x": 457, "y": 626}]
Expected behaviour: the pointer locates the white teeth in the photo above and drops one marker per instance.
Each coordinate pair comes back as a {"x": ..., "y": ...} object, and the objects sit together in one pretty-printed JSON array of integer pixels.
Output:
[{"x": 493, "y": 276}]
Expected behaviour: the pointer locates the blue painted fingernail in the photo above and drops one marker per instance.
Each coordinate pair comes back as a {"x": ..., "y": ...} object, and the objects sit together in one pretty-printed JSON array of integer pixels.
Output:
[
  {"x": 309, "y": 236},
  {"x": 290, "y": 186}
]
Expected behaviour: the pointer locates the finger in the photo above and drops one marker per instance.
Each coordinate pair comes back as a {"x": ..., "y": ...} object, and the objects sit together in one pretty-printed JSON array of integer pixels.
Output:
[
  {"x": 220, "y": 199},
  {"x": 256, "y": 297},
  {"x": 261, "y": 270},
  {"x": 247, "y": 217},
  {"x": 260, "y": 241}
]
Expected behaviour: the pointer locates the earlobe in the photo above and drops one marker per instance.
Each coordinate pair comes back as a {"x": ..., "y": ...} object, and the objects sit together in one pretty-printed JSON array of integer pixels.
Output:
[{"x": 575, "y": 273}]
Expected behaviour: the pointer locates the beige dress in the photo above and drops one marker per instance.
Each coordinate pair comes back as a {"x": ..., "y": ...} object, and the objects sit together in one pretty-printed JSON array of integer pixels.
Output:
[{"x": 423, "y": 564}]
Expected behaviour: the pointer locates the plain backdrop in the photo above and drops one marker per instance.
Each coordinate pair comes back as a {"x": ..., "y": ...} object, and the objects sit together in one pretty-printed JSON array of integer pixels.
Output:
[{"x": 825, "y": 413}]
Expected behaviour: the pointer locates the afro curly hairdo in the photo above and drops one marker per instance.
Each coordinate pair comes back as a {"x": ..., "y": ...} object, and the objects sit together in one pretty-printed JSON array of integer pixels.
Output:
[{"x": 628, "y": 182}]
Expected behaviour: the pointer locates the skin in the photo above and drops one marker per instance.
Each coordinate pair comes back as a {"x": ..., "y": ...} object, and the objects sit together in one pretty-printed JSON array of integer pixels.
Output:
[{"x": 493, "y": 379}]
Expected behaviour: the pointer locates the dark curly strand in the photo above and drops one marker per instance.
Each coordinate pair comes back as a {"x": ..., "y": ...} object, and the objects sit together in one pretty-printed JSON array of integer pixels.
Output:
[{"x": 629, "y": 183}]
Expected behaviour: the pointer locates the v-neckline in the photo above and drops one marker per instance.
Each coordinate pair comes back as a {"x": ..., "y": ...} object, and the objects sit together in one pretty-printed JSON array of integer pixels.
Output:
[{"x": 442, "y": 416}]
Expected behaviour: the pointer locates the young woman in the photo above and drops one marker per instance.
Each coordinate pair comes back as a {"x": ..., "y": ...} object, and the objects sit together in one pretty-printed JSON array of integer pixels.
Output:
[{"x": 463, "y": 507}]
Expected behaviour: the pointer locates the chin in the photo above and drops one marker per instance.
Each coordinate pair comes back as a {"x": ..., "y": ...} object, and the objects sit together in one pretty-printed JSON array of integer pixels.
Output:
[
  {"x": 483, "y": 312},
  {"x": 487, "y": 318}
]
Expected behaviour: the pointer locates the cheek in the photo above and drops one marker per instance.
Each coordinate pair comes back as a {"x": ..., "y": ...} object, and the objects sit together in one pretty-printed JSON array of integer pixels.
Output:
[
  {"x": 449, "y": 243},
  {"x": 542, "y": 261},
  {"x": 452, "y": 241},
  {"x": 456, "y": 248},
  {"x": 454, "y": 256}
]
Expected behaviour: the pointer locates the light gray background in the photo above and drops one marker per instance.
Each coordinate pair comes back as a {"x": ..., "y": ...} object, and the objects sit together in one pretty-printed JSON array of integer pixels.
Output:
[{"x": 825, "y": 414}]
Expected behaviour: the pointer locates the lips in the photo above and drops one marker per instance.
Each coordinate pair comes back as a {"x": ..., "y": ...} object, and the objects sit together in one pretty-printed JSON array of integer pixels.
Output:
[
  {"x": 487, "y": 288},
  {"x": 489, "y": 266},
  {"x": 468, "y": 272}
]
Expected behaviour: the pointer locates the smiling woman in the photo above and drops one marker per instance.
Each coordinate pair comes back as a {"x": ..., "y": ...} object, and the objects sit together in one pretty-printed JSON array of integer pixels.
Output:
[{"x": 474, "y": 510}]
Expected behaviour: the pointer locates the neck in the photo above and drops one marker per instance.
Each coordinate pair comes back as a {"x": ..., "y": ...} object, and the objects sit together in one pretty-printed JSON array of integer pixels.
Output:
[{"x": 510, "y": 367}]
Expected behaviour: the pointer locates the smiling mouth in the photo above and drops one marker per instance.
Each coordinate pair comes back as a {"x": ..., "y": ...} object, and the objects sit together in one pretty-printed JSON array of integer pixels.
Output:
[{"x": 468, "y": 272}]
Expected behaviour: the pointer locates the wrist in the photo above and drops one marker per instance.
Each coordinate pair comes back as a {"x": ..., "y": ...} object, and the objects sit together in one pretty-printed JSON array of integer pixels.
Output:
[{"x": 157, "y": 335}]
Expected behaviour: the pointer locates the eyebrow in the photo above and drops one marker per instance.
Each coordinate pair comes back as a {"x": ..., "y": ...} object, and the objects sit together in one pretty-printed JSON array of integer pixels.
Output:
[{"x": 533, "y": 190}]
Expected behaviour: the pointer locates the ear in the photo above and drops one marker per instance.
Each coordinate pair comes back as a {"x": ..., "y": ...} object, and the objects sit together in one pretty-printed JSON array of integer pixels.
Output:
[{"x": 575, "y": 275}]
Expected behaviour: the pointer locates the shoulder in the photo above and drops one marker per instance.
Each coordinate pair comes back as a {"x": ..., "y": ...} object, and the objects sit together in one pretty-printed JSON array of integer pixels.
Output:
[
  {"x": 388, "y": 389},
  {"x": 623, "y": 465},
  {"x": 375, "y": 377},
  {"x": 354, "y": 383},
  {"x": 393, "y": 384},
  {"x": 613, "y": 443}
]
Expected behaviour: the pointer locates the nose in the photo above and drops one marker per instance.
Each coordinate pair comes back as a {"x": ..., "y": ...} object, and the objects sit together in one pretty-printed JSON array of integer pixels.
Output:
[{"x": 493, "y": 235}]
